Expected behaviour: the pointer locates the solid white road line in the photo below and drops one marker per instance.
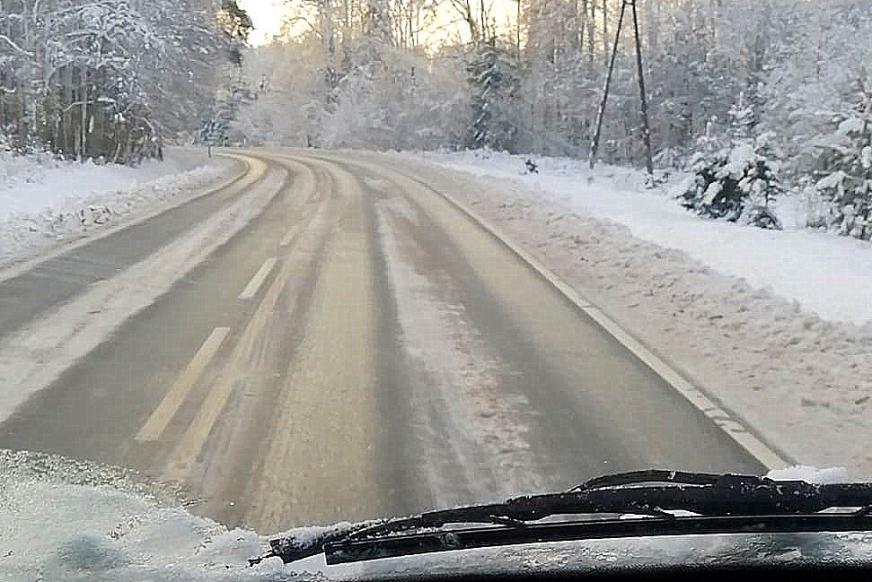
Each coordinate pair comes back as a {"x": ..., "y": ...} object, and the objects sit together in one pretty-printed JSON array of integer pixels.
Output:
[
  {"x": 733, "y": 427},
  {"x": 747, "y": 440},
  {"x": 251, "y": 289},
  {"x": 160, "y": 418}
]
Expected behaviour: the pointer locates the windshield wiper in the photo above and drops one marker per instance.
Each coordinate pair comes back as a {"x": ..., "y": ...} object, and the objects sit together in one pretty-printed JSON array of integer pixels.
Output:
[{"x": 708, "y": 504}]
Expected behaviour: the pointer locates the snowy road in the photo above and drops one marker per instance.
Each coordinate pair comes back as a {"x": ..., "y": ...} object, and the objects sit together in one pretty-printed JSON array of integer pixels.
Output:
[{"x": 328, "y": 338}]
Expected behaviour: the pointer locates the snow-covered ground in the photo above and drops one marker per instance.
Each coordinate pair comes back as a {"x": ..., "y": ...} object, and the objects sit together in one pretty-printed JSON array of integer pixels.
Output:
[
  {"x": 775, "y": 325},
  {"x": 826, "y": 274},
  {"x": 44, "y": 202}
]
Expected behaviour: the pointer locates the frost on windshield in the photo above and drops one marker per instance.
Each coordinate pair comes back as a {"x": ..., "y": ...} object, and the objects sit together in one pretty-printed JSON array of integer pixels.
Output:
[
  {"x": 67, "y": 520},
  {"x": 70, "y": 520}
]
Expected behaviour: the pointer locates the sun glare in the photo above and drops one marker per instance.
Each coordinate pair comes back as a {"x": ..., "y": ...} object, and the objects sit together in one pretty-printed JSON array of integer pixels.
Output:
[{"x": 267, "y": 17}]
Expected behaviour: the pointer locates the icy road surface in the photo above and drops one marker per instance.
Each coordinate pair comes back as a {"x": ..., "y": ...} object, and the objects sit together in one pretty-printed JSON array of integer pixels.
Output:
[{"x": 328, "y": 339}]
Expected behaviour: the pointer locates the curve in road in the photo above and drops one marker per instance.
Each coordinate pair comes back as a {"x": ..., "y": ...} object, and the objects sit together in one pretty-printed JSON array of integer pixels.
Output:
[{"x": 359, "y": 348}]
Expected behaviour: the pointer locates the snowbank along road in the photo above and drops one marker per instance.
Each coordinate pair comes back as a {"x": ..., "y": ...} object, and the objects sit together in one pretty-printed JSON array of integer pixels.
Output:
[{"x": 330, "y": 338}]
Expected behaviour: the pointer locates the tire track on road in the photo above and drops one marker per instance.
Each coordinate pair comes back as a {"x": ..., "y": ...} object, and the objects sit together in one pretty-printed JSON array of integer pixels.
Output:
[
  {"x": 34, "y": 357},
  {"x": 318, "y": 462}
]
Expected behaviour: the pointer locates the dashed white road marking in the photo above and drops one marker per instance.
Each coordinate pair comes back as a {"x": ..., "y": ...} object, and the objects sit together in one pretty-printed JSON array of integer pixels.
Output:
[
  {"x": 289, "y": 237},
  {"x": 254, "y": 285},
  {"x": 166, "y": 410},
  {"x": 241, "y": 365}
]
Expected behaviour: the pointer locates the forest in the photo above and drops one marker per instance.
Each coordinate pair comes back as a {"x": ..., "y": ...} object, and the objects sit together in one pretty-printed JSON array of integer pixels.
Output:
[
  {"x": 754, "y": 97},
  {"x": 782, "y": 86},
  {"x": 114, "y": 79}
]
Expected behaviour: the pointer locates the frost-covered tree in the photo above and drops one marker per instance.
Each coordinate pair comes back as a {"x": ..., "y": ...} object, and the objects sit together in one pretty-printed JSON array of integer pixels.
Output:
[
  {"x": 387, "y": 74},
  {"x": 493, "y": 78},
  {"x": 109, "y": 79},
  {"x": 738, "y": 182},
  {"x": 290, "y": 94},
  {"x": 399, "y": 102},
  {"x": 845, "y": 185}
]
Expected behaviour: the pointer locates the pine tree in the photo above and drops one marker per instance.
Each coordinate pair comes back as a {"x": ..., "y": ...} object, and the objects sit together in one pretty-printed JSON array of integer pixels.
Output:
[
  {"x": 846, "y": 185},
  {"x": 738, "y": 182},
  {"x": 493, "y": 76}
]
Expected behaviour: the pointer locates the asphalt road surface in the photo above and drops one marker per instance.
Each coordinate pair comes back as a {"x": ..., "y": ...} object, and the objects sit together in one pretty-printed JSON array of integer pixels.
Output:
[{"x": 354, "y": 347}]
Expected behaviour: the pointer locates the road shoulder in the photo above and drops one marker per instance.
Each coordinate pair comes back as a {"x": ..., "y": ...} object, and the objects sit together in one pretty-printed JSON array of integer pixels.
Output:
[
  {"x": 776, "y": 368},
  {"x": 88, "y": 212}
]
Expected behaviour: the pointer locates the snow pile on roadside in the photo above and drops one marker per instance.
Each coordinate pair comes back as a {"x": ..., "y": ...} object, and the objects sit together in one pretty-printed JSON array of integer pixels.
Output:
[
  {"x": 824, "y": 273},
  {"x": 732, "y": 325},
  {"x": 44, "y": 201}
]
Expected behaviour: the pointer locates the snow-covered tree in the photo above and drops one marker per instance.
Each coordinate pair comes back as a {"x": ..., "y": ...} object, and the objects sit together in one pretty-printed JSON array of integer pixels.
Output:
[
  {"x": 494, "y": 79},
  {"x": 738, "y": 182},
  {"x": 845, "y": 185},
  {"x": 110, "y": 78},
  {"x": 385, "y": 74}
]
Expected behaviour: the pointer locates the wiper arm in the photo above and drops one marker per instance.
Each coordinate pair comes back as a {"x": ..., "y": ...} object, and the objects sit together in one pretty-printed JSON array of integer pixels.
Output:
[
  {"x": 722, "y": 504},
  {"x": 654, "y": 476}
]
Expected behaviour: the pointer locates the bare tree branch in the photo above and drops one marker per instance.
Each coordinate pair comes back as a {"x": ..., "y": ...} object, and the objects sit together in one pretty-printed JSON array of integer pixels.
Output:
[{"x": 15, "y": 46}]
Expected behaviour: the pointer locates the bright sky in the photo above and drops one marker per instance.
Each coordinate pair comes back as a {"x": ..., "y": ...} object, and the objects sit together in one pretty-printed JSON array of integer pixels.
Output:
[{"x": 267, "y": 18}]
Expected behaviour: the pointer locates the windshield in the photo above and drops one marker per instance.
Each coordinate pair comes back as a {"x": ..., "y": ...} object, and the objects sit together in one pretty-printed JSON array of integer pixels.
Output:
[{"x": 287, "y": 263}]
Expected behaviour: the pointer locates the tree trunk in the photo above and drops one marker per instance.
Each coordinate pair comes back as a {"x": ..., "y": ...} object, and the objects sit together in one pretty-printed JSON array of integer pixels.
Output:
[
  {"x": 66, "y": 114},
  {"x": 652, "y": 13},
  {"x": 83, "y": 150},
  {"x": 591, "y": 30},
  {"x": 606, "y": 32}
]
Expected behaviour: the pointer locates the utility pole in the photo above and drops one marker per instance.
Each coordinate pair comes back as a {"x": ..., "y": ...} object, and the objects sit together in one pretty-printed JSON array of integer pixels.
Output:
[
  {"x": 601, "y": 112},
  {"x": 646, "y": 131}
]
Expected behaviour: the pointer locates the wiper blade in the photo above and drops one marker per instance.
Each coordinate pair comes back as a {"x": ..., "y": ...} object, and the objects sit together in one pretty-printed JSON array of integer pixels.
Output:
[
  {"x": 722, "y": 503},
  {"x": 358, "y": 550}
]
